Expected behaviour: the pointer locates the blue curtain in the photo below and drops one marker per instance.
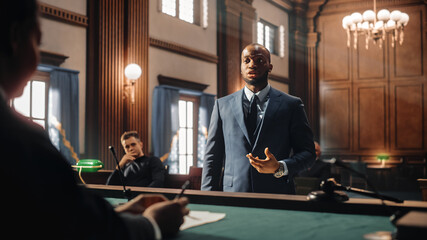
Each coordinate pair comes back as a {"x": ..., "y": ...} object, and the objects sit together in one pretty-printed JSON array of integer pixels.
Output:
[
  {"x": 164, "y": 123},
  {"x": 165, "y": 120},
  {"x": 207, "y": 102},
  {"x": 64, "y": 112}
]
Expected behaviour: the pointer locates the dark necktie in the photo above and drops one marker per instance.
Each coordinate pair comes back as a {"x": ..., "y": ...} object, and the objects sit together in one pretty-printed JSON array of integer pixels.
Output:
[{"x": 251, "y": 118}]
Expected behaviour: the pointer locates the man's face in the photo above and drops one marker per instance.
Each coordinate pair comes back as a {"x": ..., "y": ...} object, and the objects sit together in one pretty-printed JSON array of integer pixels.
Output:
[
  {"x": 255, "y": 64},
  {"x": 133, "y": 147}
]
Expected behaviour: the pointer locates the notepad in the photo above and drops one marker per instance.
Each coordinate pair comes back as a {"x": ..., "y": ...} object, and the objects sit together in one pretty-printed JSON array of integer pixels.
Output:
[{"x": 197, "y": 218}]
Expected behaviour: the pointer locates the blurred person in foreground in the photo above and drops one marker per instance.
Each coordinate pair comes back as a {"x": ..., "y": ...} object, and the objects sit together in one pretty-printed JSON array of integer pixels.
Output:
[{"x": 41, "y": 198}]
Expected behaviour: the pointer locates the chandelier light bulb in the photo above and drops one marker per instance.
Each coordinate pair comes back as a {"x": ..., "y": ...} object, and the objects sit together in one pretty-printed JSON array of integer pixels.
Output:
[
  {"x": 365, "y": 25},
  {"x": 346, "y": 22},
  {"x": 404, "y": 19},
  {"x": 369, "y": 16},
  {"x": 379, "y": 25},
  {"x": 395, "y": 15},
  {"x": 356, "y": 17},
  {"x": 383, "y": 15},
  {"x": 391, "y": 24}
]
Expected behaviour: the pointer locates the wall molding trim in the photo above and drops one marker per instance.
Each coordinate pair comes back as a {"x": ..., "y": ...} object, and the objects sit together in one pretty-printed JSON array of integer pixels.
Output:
[
  {"x": 182, "y": 50},
  {"x": 52, "y": 58},
  {"x": 60, "y": 14},
  {"x": 176, "y": 82}
]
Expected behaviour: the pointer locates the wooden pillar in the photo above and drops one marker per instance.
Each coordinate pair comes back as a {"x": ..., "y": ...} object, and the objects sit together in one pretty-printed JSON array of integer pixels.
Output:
[
  {"x": 236, "y": 20},
  {"x": 137, "y": 52},
  {"x": 303, "y": 57},
  {"x": 118, "y": 36}
]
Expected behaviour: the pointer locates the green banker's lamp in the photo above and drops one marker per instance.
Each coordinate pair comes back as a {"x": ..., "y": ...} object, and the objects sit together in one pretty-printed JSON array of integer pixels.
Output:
[
  {"x": 383, "y": 158},
  {"x": 88, "y": 165}
]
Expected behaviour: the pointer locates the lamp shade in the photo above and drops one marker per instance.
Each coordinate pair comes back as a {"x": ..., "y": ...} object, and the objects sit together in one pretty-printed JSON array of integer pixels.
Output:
[
  {"x": 383, "y": 15},
  {"x": 346, "y": 22},
  {"x": 382, "y": 157},
  {"x": 356, "y": 17},
  {"x": 133, "y": 71},
  {"x": 369, "y": 16},
  {"x": 391, "y": 24},
  {"x": 395, "y": 15},
  {"x": 404, "y": 18}
]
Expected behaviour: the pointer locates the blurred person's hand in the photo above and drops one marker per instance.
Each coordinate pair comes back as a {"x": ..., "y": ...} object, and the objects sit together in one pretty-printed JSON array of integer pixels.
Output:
[
  {"x": 141, "y": 202},
  {"x": 169, "y": 215}
]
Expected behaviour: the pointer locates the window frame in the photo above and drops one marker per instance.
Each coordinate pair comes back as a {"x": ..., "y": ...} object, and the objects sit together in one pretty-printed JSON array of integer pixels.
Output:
[
  {"x": 196, "y": 103},
  {"x": 276, "y": 37},
  {"x": 197, "y": 11},
  {"x": 39, "y": 76}
]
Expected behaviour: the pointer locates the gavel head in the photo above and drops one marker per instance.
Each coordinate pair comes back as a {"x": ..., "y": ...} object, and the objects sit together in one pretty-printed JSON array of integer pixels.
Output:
[{"x": 328, "y": 186}]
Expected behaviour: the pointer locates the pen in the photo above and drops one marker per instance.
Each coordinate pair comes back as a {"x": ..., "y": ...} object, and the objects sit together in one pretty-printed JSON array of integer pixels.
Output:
[{"x": 184, "y": 186}]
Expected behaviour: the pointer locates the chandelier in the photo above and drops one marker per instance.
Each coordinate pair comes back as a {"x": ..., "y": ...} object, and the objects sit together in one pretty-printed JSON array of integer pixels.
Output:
[{"x": 375, "y": 26}]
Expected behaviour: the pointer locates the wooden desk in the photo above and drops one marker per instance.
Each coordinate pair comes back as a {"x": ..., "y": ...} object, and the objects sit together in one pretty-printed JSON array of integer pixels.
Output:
[{"x": 423, "y": 187}]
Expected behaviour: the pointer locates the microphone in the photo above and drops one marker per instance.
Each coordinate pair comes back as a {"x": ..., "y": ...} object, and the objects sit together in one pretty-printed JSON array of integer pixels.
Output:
[{"x": 126, "y": 192}]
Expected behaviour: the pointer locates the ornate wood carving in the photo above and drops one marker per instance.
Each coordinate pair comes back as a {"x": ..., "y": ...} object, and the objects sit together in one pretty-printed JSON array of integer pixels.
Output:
[{"x": 63, "y": 15}]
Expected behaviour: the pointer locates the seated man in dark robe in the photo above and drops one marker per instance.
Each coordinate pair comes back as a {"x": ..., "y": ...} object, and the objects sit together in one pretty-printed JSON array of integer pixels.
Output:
[{"x": 138, "y": 169}]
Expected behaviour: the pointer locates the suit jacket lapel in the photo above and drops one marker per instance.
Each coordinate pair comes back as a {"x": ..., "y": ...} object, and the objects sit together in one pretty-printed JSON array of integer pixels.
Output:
[
  {"x": 273, "y": 105},
  {"x": 238, "y": 113}
]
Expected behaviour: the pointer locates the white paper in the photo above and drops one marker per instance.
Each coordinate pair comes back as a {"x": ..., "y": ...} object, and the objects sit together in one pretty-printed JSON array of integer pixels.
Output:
[{"x": 197, "y": 218}]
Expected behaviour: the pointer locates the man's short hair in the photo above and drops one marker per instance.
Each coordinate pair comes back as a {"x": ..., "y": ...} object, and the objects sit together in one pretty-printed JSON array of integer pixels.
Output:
[
  {"x": 129, "y": 134},
  {"x": 19, "y": 13}
]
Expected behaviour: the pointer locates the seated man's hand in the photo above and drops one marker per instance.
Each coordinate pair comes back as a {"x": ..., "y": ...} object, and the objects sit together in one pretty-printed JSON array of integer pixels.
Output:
[
  {"x": 127, "y": 158},
  {"x": 268, "y": 165},
  {"x": 141, "y": 202},
  {"x": 169, "y": 215}
]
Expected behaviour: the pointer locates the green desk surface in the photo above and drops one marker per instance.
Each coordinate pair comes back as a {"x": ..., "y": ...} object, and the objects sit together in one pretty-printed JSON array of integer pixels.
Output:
[{"x": 263, "y": 224}]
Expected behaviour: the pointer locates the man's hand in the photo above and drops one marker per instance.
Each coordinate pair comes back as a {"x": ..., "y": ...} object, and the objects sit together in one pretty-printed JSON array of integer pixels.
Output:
[
  {"x": 141, "y": 202},
  {"x": 268, "y": 165},
  {"x": 126, "y": 159},
  {"x": 169, "y": 215}
]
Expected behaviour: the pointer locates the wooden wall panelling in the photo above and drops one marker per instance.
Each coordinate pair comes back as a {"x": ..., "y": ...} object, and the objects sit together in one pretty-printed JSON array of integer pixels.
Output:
[
  {"x": 407, "y": 59},
  {"x": 336, "y": 120},
  {"x": 386, "y": 86},
  {"x": 335, "y": 58},
  {"x": 370, "y": 117},
  {"x": 370, "y": 64},
  {"x": 408, "y": 112}
]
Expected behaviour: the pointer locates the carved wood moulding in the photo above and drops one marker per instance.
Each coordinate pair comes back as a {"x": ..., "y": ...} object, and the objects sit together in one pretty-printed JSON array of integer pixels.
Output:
[
  {"x": 182, "y": 50},
  {"x": 337, "y": 6},
  {"x": 52, "y": 58},
  {"x": 163, "y": 80},
  {"x": 63, "y": 15}
]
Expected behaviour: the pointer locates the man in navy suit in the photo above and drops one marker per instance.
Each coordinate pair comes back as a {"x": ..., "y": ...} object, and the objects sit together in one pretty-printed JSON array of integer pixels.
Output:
[{"x": 260, "y": 137}]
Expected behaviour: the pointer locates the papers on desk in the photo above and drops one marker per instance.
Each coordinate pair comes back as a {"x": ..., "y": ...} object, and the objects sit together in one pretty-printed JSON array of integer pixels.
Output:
[{"x": 197, "y": 218}]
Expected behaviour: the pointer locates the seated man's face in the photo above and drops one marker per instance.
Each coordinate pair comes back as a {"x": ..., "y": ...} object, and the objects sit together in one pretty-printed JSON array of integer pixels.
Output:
[{"x": 133, "y": 147}]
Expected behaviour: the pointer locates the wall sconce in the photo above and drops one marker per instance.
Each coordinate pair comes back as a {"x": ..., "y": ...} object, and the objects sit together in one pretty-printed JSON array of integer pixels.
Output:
[
  {"x": 382, "y": 158},
  {"x": 132, "y": 72}
]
